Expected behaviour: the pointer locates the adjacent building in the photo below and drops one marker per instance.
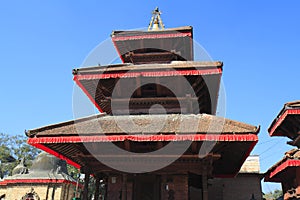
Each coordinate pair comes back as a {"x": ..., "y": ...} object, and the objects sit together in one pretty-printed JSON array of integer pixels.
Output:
[{"x": 287, "y": 170}]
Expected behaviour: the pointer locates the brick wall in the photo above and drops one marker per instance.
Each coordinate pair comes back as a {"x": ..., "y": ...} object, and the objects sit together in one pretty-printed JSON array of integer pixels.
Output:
[
  {"x": 240, "y": 188},
  {"x": 17, "y": 191}
]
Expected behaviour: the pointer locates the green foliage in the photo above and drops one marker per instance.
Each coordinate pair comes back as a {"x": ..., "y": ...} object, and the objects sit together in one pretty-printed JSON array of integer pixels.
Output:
[
  {"x": 273, "y": 195},
  {"x": 12, "y": 150},
  {"x": 73, "y": 171}
]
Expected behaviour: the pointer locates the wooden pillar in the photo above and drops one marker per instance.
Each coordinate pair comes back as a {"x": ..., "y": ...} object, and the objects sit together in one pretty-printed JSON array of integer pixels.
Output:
[
  {"x": 207, "y": 169},
  {"x": 204, "y": 184},
  {"x": 297, "y": 181},
  {"x": 97, "y": 185},
  {"x": 86, "y": 186},
  {"x": 124, "y": 187}
]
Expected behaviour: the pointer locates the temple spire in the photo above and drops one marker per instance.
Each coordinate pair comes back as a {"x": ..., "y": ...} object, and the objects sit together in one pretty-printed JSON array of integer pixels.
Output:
[{"x": 156, "y": 21}]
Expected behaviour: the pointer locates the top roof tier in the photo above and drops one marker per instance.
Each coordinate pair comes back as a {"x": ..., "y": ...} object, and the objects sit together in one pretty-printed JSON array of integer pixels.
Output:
[
  {"x": 154, "y": 46},
  {"x": 158, "y": 74}
]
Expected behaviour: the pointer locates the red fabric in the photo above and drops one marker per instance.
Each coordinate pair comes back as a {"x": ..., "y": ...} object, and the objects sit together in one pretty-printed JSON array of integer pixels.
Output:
[
  {"x": 147, "y": 74},
  {"x": 152, "y": 36},
  {"x": 281, "y": 119},
  {"x": 283, "y": 166},
  {"x": 87, "y": 93},
  {"x": 144, "y": 138}
]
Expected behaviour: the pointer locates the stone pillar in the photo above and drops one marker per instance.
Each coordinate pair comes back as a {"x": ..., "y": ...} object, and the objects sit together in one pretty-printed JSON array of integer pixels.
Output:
[
  {"x": 86, "y": 185},
  {"x": 97, "y": 185}
]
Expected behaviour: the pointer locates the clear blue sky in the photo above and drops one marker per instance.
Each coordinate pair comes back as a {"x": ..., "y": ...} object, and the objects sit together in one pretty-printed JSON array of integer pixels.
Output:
[{"x": 42, "y": 41}]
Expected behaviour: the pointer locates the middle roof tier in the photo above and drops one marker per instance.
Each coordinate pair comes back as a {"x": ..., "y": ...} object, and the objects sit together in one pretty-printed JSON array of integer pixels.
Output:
[{"x": 178, "y": 87}]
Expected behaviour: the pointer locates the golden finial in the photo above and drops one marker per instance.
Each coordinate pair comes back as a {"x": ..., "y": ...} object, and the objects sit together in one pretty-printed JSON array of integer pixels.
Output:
[{"x": 156, "y": 21}]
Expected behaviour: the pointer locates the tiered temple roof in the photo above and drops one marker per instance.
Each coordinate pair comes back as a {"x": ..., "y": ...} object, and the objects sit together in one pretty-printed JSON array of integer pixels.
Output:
[
  {"x": 159, "y": 66},
  {"x": 287, "y": 170},
  {"x": 180, "y": 87},
  {"x": 287, "y": 123}
]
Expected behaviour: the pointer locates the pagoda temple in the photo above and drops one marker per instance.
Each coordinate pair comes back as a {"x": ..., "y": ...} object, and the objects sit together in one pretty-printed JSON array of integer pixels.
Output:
[
  {"x": 157, "y": 136},
  {"x": 287, "y": 170}
]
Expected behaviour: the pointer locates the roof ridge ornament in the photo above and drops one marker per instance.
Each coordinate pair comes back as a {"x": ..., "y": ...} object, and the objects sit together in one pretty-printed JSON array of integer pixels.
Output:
[{"x": 156, "y": 23}]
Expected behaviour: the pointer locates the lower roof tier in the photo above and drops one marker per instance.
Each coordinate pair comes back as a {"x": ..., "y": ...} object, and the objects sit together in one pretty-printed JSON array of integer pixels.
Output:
[
  {"x": 286, "y": 169},
  {"x": 102, "y": 143},
  {"x": 177, "y": 87}
]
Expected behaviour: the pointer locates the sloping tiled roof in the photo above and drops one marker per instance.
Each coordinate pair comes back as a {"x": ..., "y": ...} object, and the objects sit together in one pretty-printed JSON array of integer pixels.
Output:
[
  {"x": 285, "y": 167},
  {"x": 177, "y": 40},
  {"x": 173, "y": 123},
  {"x": 108, "y": 87},
  {"x": 287, "y": 122},
  {"x": 69, "y": 140}
]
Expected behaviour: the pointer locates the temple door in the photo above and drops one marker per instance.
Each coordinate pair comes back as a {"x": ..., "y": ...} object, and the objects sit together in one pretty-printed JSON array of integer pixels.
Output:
[
  {"x": 195, "y": 187},
  {"x": 146, "y": 187}
]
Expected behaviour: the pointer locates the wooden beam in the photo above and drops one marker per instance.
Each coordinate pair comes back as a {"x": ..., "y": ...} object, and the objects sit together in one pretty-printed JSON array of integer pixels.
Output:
[
  {"x": 118, "y": 88},
  {"x": 194, "y": 147},
  {"x": 153, "y": 99},
  {"x": 158, "y": 87},
  {"x": 112, "y": 156},
  {"x": 161, "y": 67},
  {"x": 127, "y": 145},
  {"x": 198, "y": 81},
  {"x": 159, "y": 144},
  {"x": 138, "y": 86}
]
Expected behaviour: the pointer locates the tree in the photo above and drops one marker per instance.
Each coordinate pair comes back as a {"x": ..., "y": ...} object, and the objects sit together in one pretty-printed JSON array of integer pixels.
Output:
[
  {"x": 273, "y": 195},
  {"x": 12, "y": 150}
]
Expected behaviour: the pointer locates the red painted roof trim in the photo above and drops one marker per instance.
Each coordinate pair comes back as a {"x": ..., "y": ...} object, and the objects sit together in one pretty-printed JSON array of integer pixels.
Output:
[
  {"x": 280, "y": 168},
  {"x": 147, "y": 74},
  {"x": 152, "y": 36},
  {"x": 281, "y": 119},
  {"x": 50, "y": 151},
  {"x": 145, "y": 138},
  {"x": 39, "y": 142}
]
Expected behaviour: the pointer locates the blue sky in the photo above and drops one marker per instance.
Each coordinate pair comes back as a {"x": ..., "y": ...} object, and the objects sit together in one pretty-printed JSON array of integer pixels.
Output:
[{"x": 42, "y": 41}]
